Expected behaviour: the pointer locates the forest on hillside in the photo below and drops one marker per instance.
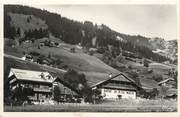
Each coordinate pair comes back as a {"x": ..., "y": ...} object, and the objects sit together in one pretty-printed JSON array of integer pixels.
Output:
[{"x": 74, "y": 32}]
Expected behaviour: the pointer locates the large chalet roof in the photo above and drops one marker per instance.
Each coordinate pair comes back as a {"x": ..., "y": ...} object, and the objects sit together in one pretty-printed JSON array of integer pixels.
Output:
[
  {"x": 119, "y": 86},
  {"x": 119, "y": 77},
  {"x": 29, "y": 75}
]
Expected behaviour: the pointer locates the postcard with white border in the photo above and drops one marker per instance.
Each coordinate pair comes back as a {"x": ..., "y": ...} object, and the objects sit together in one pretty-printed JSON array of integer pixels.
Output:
[{"x": 90, "y": 58}]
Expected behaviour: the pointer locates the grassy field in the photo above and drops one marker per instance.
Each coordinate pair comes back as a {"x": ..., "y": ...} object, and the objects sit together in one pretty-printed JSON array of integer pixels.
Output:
[
  {"x": 94, "y": 68},
  {"x": 78, "y": 60},
  {"x": 106, "y": 106}
]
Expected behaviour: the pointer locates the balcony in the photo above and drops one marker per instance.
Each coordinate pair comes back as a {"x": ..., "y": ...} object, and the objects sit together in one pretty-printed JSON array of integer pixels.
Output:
[{"x": 42, "y": 90}]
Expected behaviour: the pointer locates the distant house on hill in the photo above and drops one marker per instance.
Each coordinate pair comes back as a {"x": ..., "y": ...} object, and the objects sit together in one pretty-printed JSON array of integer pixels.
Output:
[
  {"x": 117, "y": 87},
  {"x": 93, "y": 49},
  {"x": 27, "y": 57}
]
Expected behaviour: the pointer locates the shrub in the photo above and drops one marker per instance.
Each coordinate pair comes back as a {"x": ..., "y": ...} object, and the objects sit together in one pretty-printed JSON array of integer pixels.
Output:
[
  {"x": 10, "y": 42},
  {"x": 40, "y": 59},
  {"x": 157, "y": 77},
  {"x": 150, "y": 71},
  {"x": 34, "y": 53},
  {"x": 130, "y": 66},
  {"x": 57, "y": 93},
  {"x": 146, "y": 63},
  {"x": 58, "y": 61},
  {"x": 56, "y": 43},
  {"x": 91, "y": 53},
  {"x": 72, "y": 50}
]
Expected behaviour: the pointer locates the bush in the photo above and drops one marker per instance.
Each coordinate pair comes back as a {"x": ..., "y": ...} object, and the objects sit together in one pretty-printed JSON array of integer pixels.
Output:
[
  {"x": 101, "y": 50},
  {"x": 57, "y": 93},
  {"x": 146, "y": 63},
  {"x": 10, "y": 42},
  {"x": 157, "y": 77},
  {"x": 150, "y": 71},
  {"x": 129, "y": 66},
  {"x": 58, "y": 61},
  {"x": 91, "y": 53},
  {"x": 34, "y": 53},
  {"x": 72, "y": 50},
  {"x": 40, "y": 59},
  {"x": 56, "y": 43}
]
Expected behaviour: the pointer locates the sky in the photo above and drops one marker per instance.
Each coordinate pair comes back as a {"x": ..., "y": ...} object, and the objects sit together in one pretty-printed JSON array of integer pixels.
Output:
[{"x": 146, "y": 20}]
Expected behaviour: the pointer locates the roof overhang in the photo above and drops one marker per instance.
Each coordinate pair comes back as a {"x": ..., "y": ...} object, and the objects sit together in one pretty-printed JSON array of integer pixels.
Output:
[{"x": 104, "y": 81}]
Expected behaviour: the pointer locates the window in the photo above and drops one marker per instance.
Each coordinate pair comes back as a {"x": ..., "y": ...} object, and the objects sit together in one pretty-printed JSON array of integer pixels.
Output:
[
  {"x": 36, "y": 86},
  {"x": 107, "y": 90},
  {"x": 47, "y": 96},
  {"x": 130, "y": 92},
  {"x": 26, "y": 85}
]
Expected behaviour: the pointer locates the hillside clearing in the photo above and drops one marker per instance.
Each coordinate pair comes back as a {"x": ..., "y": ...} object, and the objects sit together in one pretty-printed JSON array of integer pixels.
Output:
[{"x": 20, "y": 20}]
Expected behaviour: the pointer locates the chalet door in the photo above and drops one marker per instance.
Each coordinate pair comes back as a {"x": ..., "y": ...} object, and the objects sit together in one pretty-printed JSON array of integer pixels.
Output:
[
  {"x": 119, "y": 96},
  {"x": 37, "y": 96}
]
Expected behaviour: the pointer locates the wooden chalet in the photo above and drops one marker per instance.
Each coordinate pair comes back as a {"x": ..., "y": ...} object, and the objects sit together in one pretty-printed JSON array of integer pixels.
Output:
[
  {"x": 117, "y": 87},
  {"x": 40, "y": 84},
  {"x": 38, "y": 81}
]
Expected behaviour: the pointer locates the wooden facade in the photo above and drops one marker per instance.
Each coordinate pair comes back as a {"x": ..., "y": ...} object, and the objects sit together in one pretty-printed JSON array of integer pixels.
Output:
[
  {"x": 118, "y": 87},
  {"x": 39, "y": 83}
]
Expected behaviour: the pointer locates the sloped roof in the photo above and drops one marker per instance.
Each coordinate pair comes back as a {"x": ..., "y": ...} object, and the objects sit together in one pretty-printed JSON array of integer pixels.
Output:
[
  {"x": 73, "y": 90},
  {"x": 30, "y": 75},
  {"x": 121, "y": 86},
  {"x": 120, "y": 77}
]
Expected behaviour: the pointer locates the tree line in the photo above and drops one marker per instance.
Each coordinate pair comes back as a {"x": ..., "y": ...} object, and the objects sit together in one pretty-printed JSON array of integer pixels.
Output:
[{"x": 75, "y": 32}]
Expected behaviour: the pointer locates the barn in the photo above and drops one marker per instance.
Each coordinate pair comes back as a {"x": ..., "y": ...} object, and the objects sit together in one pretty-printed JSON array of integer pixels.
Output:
[{"x": 67, "y": 92}]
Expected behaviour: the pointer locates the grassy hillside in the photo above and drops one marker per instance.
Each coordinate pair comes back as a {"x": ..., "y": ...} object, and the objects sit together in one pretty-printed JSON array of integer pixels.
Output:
[
  {"x": 68, "y": 33},
  {"x": 94, "y": 69},
  {"x": 27, "y": 22}
]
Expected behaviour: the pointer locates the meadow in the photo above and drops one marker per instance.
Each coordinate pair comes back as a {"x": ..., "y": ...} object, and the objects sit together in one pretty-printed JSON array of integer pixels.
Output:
[{"x": 124, "y": 105}]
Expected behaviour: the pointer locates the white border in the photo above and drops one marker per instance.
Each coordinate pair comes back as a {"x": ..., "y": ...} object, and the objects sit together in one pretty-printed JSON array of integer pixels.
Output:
[{"x": 78, "y": 114}]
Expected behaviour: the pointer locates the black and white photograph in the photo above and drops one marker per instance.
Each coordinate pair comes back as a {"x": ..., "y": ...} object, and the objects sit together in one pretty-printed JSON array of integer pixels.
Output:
[{"x": 90, "y": 58}]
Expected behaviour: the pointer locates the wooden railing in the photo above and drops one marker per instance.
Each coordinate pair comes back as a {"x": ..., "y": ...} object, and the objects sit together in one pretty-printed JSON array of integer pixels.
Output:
[{"x": 42, "y": 89}]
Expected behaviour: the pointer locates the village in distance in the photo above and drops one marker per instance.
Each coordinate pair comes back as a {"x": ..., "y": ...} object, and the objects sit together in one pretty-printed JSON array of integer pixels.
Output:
[{"x": 56, "y": 64}]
